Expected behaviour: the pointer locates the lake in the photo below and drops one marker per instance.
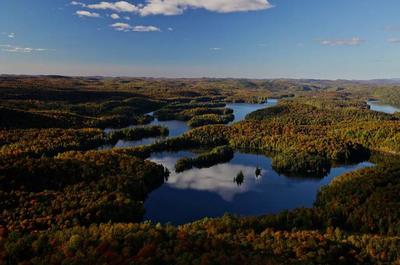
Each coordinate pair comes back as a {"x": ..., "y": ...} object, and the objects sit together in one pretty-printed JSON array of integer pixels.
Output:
[
  {"x": 377, "y": 106},
  {"x": 211, "y": 192},
  {"x": 177, "y": 128},
  {"x": 240, "y": 110}
]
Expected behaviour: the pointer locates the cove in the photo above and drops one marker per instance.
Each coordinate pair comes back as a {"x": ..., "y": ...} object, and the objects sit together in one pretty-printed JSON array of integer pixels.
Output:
[
  {"x": 177, "y": 128},
  {"x": 240, "y": 110},
  {"x": 211, "y": 192},
  {"x": 377, "y": 106}
]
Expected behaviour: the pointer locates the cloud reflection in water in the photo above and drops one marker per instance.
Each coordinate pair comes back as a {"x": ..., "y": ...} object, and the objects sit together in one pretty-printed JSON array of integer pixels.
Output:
[{"x": 217, "y": 179}]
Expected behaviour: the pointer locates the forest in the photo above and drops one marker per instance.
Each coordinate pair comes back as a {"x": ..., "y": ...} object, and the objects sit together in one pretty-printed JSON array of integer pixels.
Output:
[
  {"x": 64, "y": 200},
  {"x": 215, "y": 156},
  {"x": 132, "y": 134}
]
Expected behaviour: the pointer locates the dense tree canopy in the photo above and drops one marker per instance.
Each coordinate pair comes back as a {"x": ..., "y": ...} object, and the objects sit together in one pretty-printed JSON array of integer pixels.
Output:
[{"x": 63, "y": 201}]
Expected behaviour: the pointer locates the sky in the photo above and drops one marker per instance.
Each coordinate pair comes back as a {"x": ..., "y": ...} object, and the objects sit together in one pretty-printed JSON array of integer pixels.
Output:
[{"x": 322, "y": 39}]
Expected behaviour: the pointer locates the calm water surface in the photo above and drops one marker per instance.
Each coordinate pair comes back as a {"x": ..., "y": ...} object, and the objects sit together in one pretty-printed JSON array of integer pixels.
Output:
[
  {"x": 211, "y": 192},
  {"x": 240, "y": 110},
  {"x": 177, "y": 128},
  {"x": 376, "y": 106}
]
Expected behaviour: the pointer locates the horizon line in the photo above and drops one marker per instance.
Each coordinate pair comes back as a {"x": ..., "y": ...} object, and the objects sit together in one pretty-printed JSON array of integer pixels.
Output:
[{"x": 203, "y": 77}]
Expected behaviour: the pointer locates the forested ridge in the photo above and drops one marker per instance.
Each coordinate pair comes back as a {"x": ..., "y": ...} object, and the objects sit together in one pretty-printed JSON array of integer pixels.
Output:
[{"x": 65, "y": 201}]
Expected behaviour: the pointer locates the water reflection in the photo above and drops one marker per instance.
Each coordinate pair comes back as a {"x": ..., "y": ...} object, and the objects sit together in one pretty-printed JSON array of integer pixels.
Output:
[
  {"x": 377, "y": 106},
  {"x": 176, "y": 128},
  {"x": 258, "y": 172},
  {"x": 239, "y": 179},
  {"x": 198, "y": 193}
]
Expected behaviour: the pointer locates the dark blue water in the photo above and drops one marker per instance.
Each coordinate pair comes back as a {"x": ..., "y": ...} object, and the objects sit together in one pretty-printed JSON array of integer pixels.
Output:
[
  {"x": 177, "y": 128},
  {"x": 376, "y": 106},
  {"x": 211, "y": 192}
]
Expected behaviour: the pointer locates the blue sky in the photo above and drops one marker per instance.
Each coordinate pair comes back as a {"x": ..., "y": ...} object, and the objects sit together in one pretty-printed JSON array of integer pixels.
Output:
[{"x": 352, "y": 39}]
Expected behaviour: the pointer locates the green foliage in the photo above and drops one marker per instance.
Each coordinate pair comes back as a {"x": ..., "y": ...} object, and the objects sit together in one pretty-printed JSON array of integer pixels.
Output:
[
  {"x": 197, "y": 114},
  {"x": 208, "y": 119},
  {"x": 75, "y": 188},
  {"x": 217, "y": 155},
  {"x": 47, "y": 142},
  {"x": 365, "y": 201},
  {"x": 303, "y": 164},
  {"x": 137, "y": 133},
  {"x": 307, "y": 139},
  {"x": 189, "y": 113},
  {"x": 227, "y": 240},
  {"x": 54, "y": 106},
  {"x": 320, "y": 112},
  {"x": 389, "y": 94},
  {"x": 186, "y": 111}
]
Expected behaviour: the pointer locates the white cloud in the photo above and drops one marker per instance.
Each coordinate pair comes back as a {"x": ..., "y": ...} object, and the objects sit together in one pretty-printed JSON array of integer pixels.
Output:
[
  {"x": 215, "y": 49},
  {"x": 216, "y": 181},
  {"x": 84, "y": 13},
  {"x": 394, "y": 40},
  {"x": 145, "y": 29},
  {"x": 121, "y": 26},
  {"x": 160, "y": 7},
  {"x": 170, "y": 29},
  {"x": 126, "y": 27},
  {"x": 120, "y": 6},
  {"x": 127, "y": 18},
  {"x": 355, "y": 41},
  {"x": 17, "y": 49},
  {"x": 114, "y": 16},
  {"x": 177, "y": 7},
  {"x": 76, "y": 3}
]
